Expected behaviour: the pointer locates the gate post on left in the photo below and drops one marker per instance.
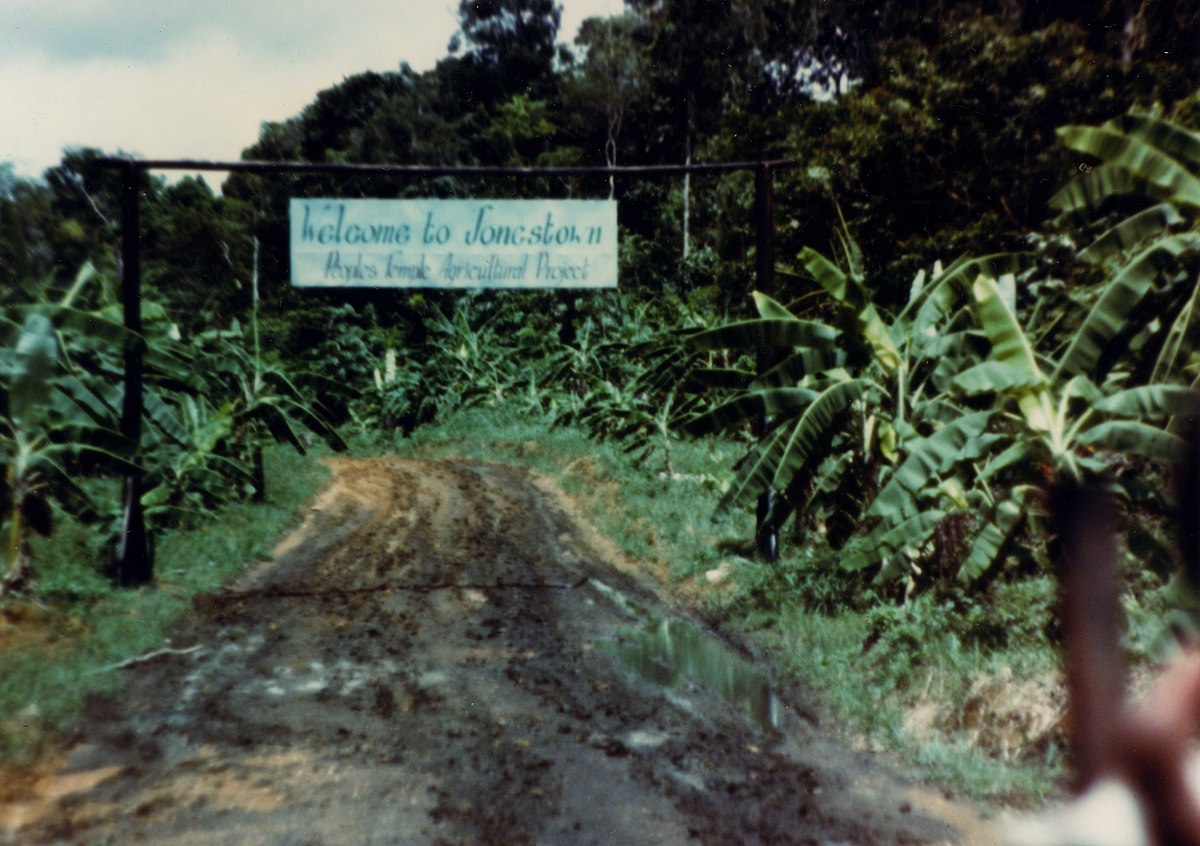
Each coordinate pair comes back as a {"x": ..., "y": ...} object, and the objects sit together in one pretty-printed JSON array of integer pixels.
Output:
[{"x": 132, "y": 562}]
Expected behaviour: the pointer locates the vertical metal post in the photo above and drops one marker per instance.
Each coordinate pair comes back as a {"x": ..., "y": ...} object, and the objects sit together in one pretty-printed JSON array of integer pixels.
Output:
[
  {"x": 132, "y": 563},
  {"x": 766, "y": 539}
]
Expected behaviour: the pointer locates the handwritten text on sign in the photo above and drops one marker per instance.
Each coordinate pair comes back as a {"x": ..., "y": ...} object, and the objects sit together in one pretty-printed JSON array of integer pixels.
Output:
[{"x": 454, "y": 243}]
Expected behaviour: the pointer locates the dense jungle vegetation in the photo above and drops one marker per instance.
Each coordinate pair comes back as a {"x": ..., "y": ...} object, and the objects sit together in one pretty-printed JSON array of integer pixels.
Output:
[{"x": 989, "y": 252}]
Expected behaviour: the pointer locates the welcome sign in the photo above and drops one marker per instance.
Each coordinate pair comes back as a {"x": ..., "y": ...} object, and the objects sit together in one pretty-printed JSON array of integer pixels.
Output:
[{"x": 453, "y": 243}]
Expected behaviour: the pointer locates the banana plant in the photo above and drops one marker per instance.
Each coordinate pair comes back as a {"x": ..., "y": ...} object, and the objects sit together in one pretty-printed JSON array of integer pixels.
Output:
[
  {"x": 1149, "y": 305},
  {"x": 29, "y": 368},
  {"x": 192, "y": 474},
  {"x": 1059, "y": 427},
  {"x": 256, "y": 399},
  {"x": 930, "y": 446},
  {"x": 804, "y": 397},
  {"x": 1068, "y": 425},
  {"x": 1065, "y": 420},
  {"x": 1061, "y": 422},
  {"x": 865, "y": 391},
  {"x": 40, "y": 438}
]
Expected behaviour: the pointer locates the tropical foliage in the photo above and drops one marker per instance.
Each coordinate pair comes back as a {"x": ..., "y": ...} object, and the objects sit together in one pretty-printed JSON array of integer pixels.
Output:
[
  {"x": 907, "y": 415},
  {"x": 208, "y": 404},
  {"x": 950, "y": 413}
]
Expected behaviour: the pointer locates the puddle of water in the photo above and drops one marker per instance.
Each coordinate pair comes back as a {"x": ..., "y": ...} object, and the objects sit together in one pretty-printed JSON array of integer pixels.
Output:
[{"x": 670, "y": 653}]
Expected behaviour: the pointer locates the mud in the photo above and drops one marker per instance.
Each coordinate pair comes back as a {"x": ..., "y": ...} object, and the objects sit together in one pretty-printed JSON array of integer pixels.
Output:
[{"x": 430, "y": 660}]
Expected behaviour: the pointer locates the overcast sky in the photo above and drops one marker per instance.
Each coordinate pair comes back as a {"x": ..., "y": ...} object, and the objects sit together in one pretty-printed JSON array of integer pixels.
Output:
[{"x": 196, "y": 78}]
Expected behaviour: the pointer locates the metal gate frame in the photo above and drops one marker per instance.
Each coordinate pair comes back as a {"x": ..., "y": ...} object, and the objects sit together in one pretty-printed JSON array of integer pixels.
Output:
[{"x": 133, "y": 563}]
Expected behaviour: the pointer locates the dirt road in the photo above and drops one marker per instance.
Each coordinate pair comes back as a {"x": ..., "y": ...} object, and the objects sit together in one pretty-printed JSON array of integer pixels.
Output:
[{"x": 436, "y": 657}]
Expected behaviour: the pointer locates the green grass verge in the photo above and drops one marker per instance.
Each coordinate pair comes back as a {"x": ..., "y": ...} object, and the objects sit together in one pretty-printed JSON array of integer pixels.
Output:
[
  {"x": 84, "y": 626},
  {"x": 878, "y": 666}
]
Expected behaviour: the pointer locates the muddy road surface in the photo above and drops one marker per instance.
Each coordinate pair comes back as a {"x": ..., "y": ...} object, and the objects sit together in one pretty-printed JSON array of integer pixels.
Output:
[{"x": 441, "y": 655}]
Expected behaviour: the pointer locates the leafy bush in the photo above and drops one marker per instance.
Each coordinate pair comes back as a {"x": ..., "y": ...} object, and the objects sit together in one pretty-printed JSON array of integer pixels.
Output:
[
  {"x": 209, "y": 405},
  {"x": 903, "y": 422}
]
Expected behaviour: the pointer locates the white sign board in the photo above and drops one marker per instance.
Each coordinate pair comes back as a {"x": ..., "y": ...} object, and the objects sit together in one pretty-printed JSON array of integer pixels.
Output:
[{"x": 454, "y": 243}]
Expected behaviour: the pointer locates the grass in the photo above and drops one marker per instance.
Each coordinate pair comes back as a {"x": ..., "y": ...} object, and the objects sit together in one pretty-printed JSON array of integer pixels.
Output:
[
  {"x": 56, "y": 651},
  {"x": 878, "y": 666}
]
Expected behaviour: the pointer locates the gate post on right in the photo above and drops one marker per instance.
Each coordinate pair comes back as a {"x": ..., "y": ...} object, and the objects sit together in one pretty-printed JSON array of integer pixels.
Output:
[{"x": 766, "y": 538}]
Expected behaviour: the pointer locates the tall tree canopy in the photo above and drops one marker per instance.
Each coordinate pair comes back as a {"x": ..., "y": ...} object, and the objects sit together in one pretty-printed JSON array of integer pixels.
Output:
[{"x": 510, "y": 45}]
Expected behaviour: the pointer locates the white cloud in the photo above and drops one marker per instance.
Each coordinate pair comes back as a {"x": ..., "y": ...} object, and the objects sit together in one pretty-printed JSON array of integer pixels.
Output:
[
  {"x": 175, "y": 79},
  {"x": 80, "y": 30}
]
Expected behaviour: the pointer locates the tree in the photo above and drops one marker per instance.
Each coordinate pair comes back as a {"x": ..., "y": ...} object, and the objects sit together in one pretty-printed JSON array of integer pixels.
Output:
[
  {"x": 966, "y": 124},
  {"x": 697, "y": 65},
  {"x": 1134, "y": 30},
  {"x": 332, "y": 123},
  {"x": 195, "y": 252},
  {"x": 510, "y": 46},
  {"x": 414, "y": 126},
  {"x": 86, "y": 203},
  {"x": 612, "y": 76},
  {"x": 14, "y": 255}
]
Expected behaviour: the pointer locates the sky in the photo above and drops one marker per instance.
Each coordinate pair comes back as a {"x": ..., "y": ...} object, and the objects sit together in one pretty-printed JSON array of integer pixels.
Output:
[{"x": 195, "y": 79}]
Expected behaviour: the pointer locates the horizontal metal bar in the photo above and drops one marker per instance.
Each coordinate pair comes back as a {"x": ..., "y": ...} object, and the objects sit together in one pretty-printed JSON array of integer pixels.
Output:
[{"x": 438, "y": 170}]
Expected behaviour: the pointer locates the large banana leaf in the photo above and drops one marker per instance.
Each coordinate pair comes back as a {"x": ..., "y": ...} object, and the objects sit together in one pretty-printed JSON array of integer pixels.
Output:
[
  {"x": 997, "y": 377},
  {"x": 771, "y": 462},
  {"x": 32, "y": 367},
  {"x": 1109, "y": 316},
  {"x": 804, "y": 362},
  {"x": 1132, "y": 231},
  {"x": 175, "y": 369},
  {"x": 300, "y": 413},
  {"x": 770, "y": 309},
  {"x": 665, "y": 367},
  {"x": 944, "y": 357},
  {"x": 836, "y": 282},
  {"x": 1012, "y": 456},
  {"x": 964, "y": 344},
  {"x": 780, "y": 403},
  {"x": 90, "y": 325},
  {"x": 1138, "y": 157},
  {"x": 1178, "y": 341},
  {"x": 1172, "y": 139},
  {"x": 164, "y": 417},
  {"x": 1011, "y": 348},
  {"x": 993, "y": 542},
  {"x": 818, "y": 477},
  {"x": 958, "y": 441},
  {"x": 109, "y": 450},
  {"x": 810, "y": 430},
  {"x": 102, "y": 403},
  {"x": 1087, "y": 194},
  {"x": 951, "y": 289},
  {"x": 275, "y": 416},
  {"x": 773, "y": 332},
  {"x": 1149, "y": 401},
  {"x": 752, "y": 473},
  {"x": 889, "y": 540},
  {"x": 1131, "y": 436},
  {"x": 849, "y": 292},
  {"x": 877, "y": 334}
]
